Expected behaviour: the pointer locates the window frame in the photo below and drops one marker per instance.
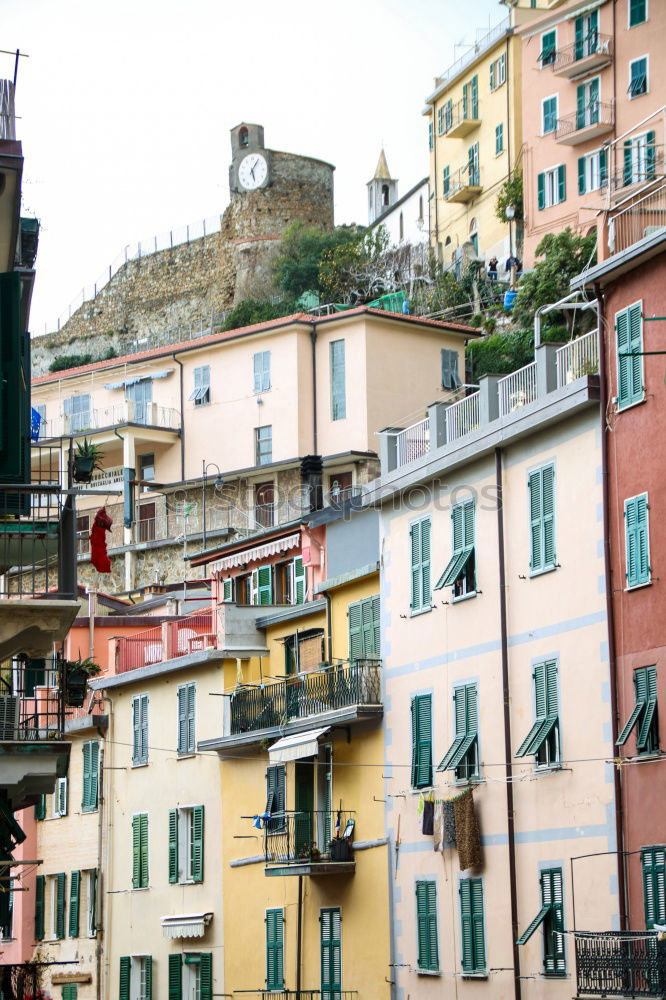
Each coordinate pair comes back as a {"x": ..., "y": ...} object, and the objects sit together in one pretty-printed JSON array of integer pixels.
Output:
[
  {"x": 338, "y": 371},
  {"x": 632, "y": 93},
  {"x": 642, "y": 579},
  {"x": 201, "y": 391},
  {"x": 555, "y": 117},
  {"x": 551, "y": 183},
  {"x": 261, "y": 455},
  {"x": 450, "y": 375},
  {"x": 262, "y": 372},
  {"x": 635, "y": 24}
]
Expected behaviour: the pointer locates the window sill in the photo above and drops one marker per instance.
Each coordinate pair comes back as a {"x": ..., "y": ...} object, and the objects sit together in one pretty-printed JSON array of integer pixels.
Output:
[
  {"x": 648, "y": 756},
  {"x": 261, "y": 392},
  {"x": 464, "y": 597},
  {"x": 87, "y": 812},
  {"x": 141, "y": 763},
  {"x": 541, "y": 572},
  {"x": 474, "y": 975},
  {"x": 422, "y": 791},
  {"x": 428, "y": 972},
  {"x": 548, "y": 768},
  {"x": 140, "y": 888},
  {"x": 187, "y": 755},
  {"x": 420, "y": 611},
  {"x": 638, "y": 586},
  {"x": 470, "y": 782},
  {"x": 621, "y": 408}
]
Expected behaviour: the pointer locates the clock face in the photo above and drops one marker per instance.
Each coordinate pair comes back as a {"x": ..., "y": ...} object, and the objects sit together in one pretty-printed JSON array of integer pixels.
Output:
[{"x": 253, "y": 171}]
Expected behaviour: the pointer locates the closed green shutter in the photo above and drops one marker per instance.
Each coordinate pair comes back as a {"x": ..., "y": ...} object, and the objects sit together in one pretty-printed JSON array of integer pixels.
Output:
[
  {"x": 554, "y": 959},
  {"x": 206, "y": 975},
  {"x": 90, "y": 775},
  {"x": 275, "y": 796},
  {"x": 198, "y": 844},
  {"x": 175, "y": 979},
  {"x": 541, "y": 485},
  {"x": 473, "y": 937},
  {"x": 173, "y": 845},
  {"x": 603, "y": 168},
  {"x": 541, "y": 191},
  {"x": 492, "y": 76},
  {"x": 69, "y": 991},
  {"x": 300, "y": 581},
  {"x": 74, "y": 900},
  {"x": 61, "y": 888},
  {"x": 581, "y": 175},
  {"x": 136, "y": 852},
  {"x": 579, "y": 30},
  {"x": 422, "y": 741},
  {"x": 182, "y": 719},
  {"x": 653, "y": 861},
  {"x": 637, "y": 540},
  {"x": 561, "y": 183},
  {"x": 637, "y": 12},
  {"x": 581, "y": 105},
  {"x": 446, "y": 180},
  {"x": 124, "y": 978},
  {"x": 364, "y": 629},
  {"x": 650, "y": 155},
  {"x": 629, "y": 336},
  {"x": 356, "y": 650},
  {"x": 40, "y": 807},
  {"x": 40, "y": 886},
  {"x": 475, "y": 97},
  {"x": 144, "y": 850},
  {"x": 263, "y": 586},
  {"x": 426, "y": 915},
  {"x": 331, "y": 953},
  {"x": 149, "y": 976},
  {"x": 430, "y": 140},
  {"x": 467, "y": 934},
  {"x": 420, "y": 564},
  {"x": 274, "y": 949}
]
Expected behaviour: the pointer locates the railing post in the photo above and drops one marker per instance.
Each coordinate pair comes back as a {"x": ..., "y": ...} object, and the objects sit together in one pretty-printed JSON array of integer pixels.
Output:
[
  {"x": 388, "y": 448},
  {"x": 546, "y": 368},
  {"x": 437, "y": 424},
  {"x": 488, "y": 398}
]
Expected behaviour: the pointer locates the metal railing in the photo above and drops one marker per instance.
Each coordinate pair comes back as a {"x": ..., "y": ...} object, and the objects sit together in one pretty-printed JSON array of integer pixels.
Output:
[
  {"x": 296, "y": 838},
  {"x": 77, "y": 424},
  {"x": 475, "y": 50},
  {"x": 32, "y": 707},
  {"x": 465, "y": 177},
  {"x": 294, "y": 994},
  {"x": 462, "y": 417},
  {"x": 594, "y": 113},
  {"x": 7, "y": 112},
  {"x": 413, "y": 442},
  {"x": 264, "y": 515},
  {"x": 30, "y": 537},
  {"x": 518, "y": 389},
  {"x": 645, "y": 165},
  {"x": 639, "y": 218},
  {"x": 595, "y": 44},
  {"x": 620, "y": 963},
  {"x": 333, "y": 686},
  {"x": 578, "y": 358},
  {"x": 462, "y": 111},
  {"x": 171, "y": 639}
]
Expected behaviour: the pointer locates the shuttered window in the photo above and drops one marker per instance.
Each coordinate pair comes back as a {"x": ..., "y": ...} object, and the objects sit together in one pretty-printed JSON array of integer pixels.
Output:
[
  {"x": 330, "y": 921},
  {"x": 263, "y": 444},
  {"x": 637, "y": 540},
  {"x": 186, "y": 707},
  {"x": 69, "y": 991},
  {"x": 644, "y": 712},
  {"x": 90, "y": 751},
  {"x": 543, "y": 739},
  {"x": 422, "y": 741},
  {"x": 275, "y": 797},
  {"x": 446, "y": 181},
  {"x": 262, "y": 585},
  {"x": 140, "y": 851},
  {"x": 201, "y": 391},
  {"x": 60, "y": 798},
  {"x": 40, "y": 893},
  {"x": 186, "y": 844},
  {"x": 629, "y": 338},
  {"x": 471, "y": 917},
  {"x": 549, "y": 115},
  {"x": 364, "y": 629},
  {"x": 426, "y": 921},
  {"x": 637, "y": 12},
  {"x": 140, "y": 729},
  {"x": 40, "y": 807},
  {"x": 74, "y": 903},
  {"x": 300, "y": 581},
  {"x": 274, "y": 949},
  {"x": 638, "y": 77},
  {"x": 551, "y": 917},
  {"x": 419, "y": 540},
  {"x": 60, "y": 887},
  {"x": 653, "y": 862},
  {"x": 541, "y": 488},
  {"x": 175, "y": 990},
  {"x": 499, "y": 139},
  {"x": 548, "y": 48},
  {"x": 460, "y": 571},
  {"x": 463, "y": 754},
  {"x": 338, "y": 394},
  {"x": 262, "y": 371}
]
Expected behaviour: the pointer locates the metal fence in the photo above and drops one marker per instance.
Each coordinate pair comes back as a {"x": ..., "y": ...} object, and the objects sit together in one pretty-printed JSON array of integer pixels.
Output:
[
  {"x": 31, "y": 700},
  {"x": 595, "y": 44},
  {"x": 30, "y": 537},
  {"x": 462, "y": 417},
  {"x": 518, "y": 389},
  {"x": 578, "y": 358},
  {"x": 146, "y": 414},
  {"x": 482, "y": 43},
  {"x": 594, "y": 113},
  {"x": 620, "y": 963},
  {"x": 171, "y": 639},
  {"x": 413, "y": 442},
  {"x": 641, "y": 217},
  {"x": 293, "y": 838}
]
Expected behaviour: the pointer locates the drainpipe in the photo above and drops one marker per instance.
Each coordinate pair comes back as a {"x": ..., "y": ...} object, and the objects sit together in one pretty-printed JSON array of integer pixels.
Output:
[
  {"x": 99, "y": 923},
  {"x": 182, "y": 421},
  {"x": 329, "y": 623},
  {"x": 617, "y": 781},
  {"x": 508, "y": 769},
  {"x": 313, "y": 336},
  {"x": 92, "y": 611},
  {"x": 299, "y": 940}
]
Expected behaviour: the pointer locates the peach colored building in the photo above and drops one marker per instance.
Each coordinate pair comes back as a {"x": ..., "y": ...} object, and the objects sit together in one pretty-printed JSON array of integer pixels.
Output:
[{"x": 593, "y": 121}]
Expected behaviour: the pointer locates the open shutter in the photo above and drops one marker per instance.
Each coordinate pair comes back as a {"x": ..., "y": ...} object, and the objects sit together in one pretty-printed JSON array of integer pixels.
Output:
[
  {"x": 257, "y": 372},
  {"x": 144, "y": 728},
  {"x": 475, "y": 97},
  {"x": 144, "y": 849},
  {"x": 136, "y": 730},
  {"x": 539, "y": 676},
  {"x": 552, "y": 896},
  {"x": 461, "y": 730},
  {"x": 62, "y": 796},
  {"x": 466, "y": 925},
  {"x": 182, "y": 719},
  {"x": 124, "y": 980},
  {"x": 136, "y": 852},
  {"x": 74, "y": 901},
  {"x": 581, "y": 175},
  {"x": 478, "y": 934},
  {"x": 40, "y": 807},
  {"x": 206, "y": 975},
  {"x": 650, "y": 686},
  {"x": 561, "y": 183},
  {"x": 175, "y": 978},
  {"x": 94, "y": 773},
  {"x": 650, "y": 155},
  {"x": 198, "y": 844},
  {"x": 356, "y": 647},
  {"x": 300, "y": 581},
  {"x": 548, "y": 514},
  {"x": 640, "y": 685},
  {"x": 331, "y": 953},
  {"x": 85, "y": 798},
  {"x": 148, "y": 960},
  {"x": 92, "y": 902},
  {"x": 425, "y": 563},
  {"x": 534, "y": 485},
  {"x": 61, "y": 886},
  {"x": 623, "y": 358},
  {"x": 628, "y": 168},
  {"x": 422, "y": 925},
  {"x": 191, "y": 721},
  {"x": 264, "y": 585},
  {"x": 541, "y": 191},
  {"x": 579, "y": 30},
  {"x": 422, "y": 734},
  {"x": 173, "y": 845},
  {"x": 636, "y": 346},
  {"x": 40, "y": 884},
  {"x": 538, "y": 920}
]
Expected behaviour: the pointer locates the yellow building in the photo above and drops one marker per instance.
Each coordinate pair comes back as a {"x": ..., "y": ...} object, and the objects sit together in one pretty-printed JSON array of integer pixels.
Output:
[{"x": 475, "y": 138}]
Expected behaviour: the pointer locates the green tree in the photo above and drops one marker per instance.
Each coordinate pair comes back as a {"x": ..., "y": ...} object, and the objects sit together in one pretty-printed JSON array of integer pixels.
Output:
[
  {"x": 563, "y": 255},
  {"x": 251, "y": 311},
  {"x": 500, "y": 353},
  {"x": 510, "y": 193},
  {"x": 359, "y": 270},
  {"x": 297, "y": 266}
]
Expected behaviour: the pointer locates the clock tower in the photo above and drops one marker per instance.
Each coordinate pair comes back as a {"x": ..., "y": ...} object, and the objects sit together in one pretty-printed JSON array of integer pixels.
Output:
[{"x": 250, "y": 168}]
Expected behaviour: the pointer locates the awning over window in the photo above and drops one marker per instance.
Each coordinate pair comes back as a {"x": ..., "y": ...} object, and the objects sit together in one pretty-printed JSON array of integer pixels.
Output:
[
  {"x": 257, "y": 553},
  {"x": 296, "y": 747},
  {"x": 141, "y": 378},
  {"x": 189, "y": 926}
]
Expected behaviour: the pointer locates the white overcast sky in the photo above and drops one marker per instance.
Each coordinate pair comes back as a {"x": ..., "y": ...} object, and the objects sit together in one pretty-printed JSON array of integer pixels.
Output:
[{"x": 125, "y": 108}]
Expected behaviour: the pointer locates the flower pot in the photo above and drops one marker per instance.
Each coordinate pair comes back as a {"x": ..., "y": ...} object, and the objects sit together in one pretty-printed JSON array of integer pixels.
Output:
[
  {"x": 83, "y": 468},
  {"x": 340, "y": 849},
  {"x": 77, "y": 682}
]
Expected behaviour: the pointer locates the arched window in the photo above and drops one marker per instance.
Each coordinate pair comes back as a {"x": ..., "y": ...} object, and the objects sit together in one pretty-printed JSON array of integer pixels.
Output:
[
  {"x": 402, "y": 227},
  {"x": 385, "y": 195},
  {"x": 243, "y": 137}
]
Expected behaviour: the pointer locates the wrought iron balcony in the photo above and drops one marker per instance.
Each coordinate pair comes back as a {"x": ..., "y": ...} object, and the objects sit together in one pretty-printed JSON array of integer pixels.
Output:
[
  {"x": 88, "y": 422},
  {"x": 463, "y": 185},
  {"x": 621, "y": 964},
  {"x": 582, "y": 56},
  {"x": 595, "y": 119},
  {"x": 295, "y": 994},
  {"x": 462, "y": 118},
  {"x": 31, "y": 701},
  {"x": 309, "y": 843}
]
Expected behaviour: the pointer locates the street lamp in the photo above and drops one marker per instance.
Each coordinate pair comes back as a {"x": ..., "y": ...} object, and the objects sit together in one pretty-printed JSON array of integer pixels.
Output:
[
  {"x": 510, "y": 214},
  {"x": 218, "y": 483}
]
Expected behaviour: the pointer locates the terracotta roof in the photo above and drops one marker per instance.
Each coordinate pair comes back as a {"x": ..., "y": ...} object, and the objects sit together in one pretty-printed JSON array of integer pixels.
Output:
[{"x": 246, "y": 331}]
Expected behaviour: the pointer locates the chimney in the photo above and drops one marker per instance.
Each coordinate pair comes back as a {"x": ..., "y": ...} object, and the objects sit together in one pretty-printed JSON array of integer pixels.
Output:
[{"x": 312, "y": 477}]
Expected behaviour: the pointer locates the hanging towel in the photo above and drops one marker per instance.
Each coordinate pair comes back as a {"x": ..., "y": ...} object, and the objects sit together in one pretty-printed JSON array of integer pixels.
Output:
[
  {"x": 419, "y": 808},
  {"x": 438, "y": 826},
  {"x": 468, "y": 838},
  {"x": 449, "y": 836},
  {"x": 428, "y": 817}
]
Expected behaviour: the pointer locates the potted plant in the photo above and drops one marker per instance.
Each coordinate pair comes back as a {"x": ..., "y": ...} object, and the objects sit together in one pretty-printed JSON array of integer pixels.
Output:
[
  {"x": 77, "y": 673},
  {"x": 87, "y": 458}
]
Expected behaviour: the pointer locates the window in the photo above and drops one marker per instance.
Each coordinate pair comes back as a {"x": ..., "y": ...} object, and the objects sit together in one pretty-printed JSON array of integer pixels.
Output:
[
  {"x": 541, "y": 490},
  {"x": 262, "y": 585},
  {"x": 274, "y": 949},
  {"x": 430, "y": 137},
  {"x": 551, "y": 187},
  {"x": 40, "y": 898},
  {"x": 136, "y": 978},
  {"x": 262, "y": 371},
  {"x": 38, "y": 430},
  {"x": 330, "y": 924},
  {"x": 201, "y": 391},
  {"x": 140, "y": 851},
  {"x": 186, "y": 844},
  {"x": 91, "y": 902},
  {"x": 543, "y": 739},
  {"x": 90, "y": 752},
  {"x": 303, "y": 652},
  {"x": 638, "y": 77},
  {"x": 7, "y": 910},
  {"x": 426, "y": 923},
  {"x": 402, "y": 227},
  {"x": 69, "y": 991},
  {"x": 446, "y": 181},
  {"x": 186, "y": 703},
  {"x": 629, "y": 338},
  {"x": 147, "y": 468},
  {"x": 463, "y": 754},
  {"x": 639, "y": 158},
  {"x": 592, "y": 171},
  {"x": 637, "y": 12},
  {"x": 499, "y": 139},
  {"x": 74, "y": 901},
  {"x": 644, "y": 713},
  {"x": 59, "y": 807},
  {"x": 57, "y": 887},
  {"x": 498, "y": 72},
  {"x": 263, "y": 445},
  {"x": 40, "y": 807},
  {"x": 337, "y": 361},
  {"x": 140, "y": 729},
  {"x": 551, "y": 916},
  {"x": 460, "y": 572},
  {"x": 275, "y": 797},
  {"x": 139, "y": 395},
  {"x": 471, "y": 98},
  {"x": 283, "y": 575},
  {"x": 422, "y": 741},
  {"x": 440, "y": 120},
  {"x": 448, "y": 116},
  {"x": 450, "y": 376},
  {"x": 548, "y": 48},
  {"x": 473, "y": 170},
  {"x": 300, "y": 586},
  {"x": 637, "y": 540},
  {"x": 364, "y": 629},
  {"x": 77, "y": 413},
  {"x": 586, "y": 33},
  {"x": 653, "y": 863},
  {"x": 242, "y": 586},
  {"x": 419, "y": 539},
  {"x": 549, "y": 115},
  {"x": 471, "y": 920},
  {"x": 588, "y": 105}
]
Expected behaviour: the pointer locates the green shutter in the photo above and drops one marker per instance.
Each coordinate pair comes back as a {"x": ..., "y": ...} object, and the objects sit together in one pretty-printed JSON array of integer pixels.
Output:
[
  {"x": 552, "y": 896},
  {"x": 356, "y": 650},
  {"x": 637, "y": 541},
  {"x": 581, "y": 105},
  {"x": 173, "y": 845},
  {"x": 61, "y": 887},
  {"x": 227, "y": 590},
  {"x": 198, "y": 844},
  {"x": 74, "y": 898},
  {"x": 85, "y": 798},
  {"x": 300, "y": 581},
  {"x": 92, "y": 902},
  {"x": 467, "y": 934},
  {"x": 541, "y": 191},
  {"x": 40, "y": 885},
  {"x": 473, "y": 937},
  {"x": 274, "y": 949},
  {"x": 653, "y": 863},
  {"x": 478, "y": 931},
  {"x": 644, "y": 739},
  {"x": 629, "y": 336},
  {"x": 628, "y": 169},
  {"x": 124, "y": 979},
  {"x": 422, "y": 741},
  {"x": 650, "y": 155},
  {"x": 175, "y": 991},
  {"x": 466, "y": 724},
  {"x": 541, "y": 485},
  {"x": 69, "y": 991},
  {"x": 579, "y": 29},
  {"x": 581, "y": 175},
  {"x": 149, "y": 976},
  {"x": 206, "y": 974},
  {"x": 90, "y": 775},
  {"x": 330, "y": 922},
  {"x": 475, "y": 97},
  {"x": 14, "y": 395},
  {"x": 337, "y": 368},
  {"x": 492, "y": 76},
  {"x": 61, "y": 789},
  {"x": 546, "y": 708},
  {"x": 182, "y": 719},
  {"x": 415, "y": 553},
  {"x": 426, "y": 914},
  {"x": 603, "y": 168},
  {"x": 530, "y": 929},
  {"x": 637, "y": 12},
  {"x": 561, "y": 183},
  {"x": 136, "y": 852},
  {"x": 264, "y": 577},
  {"x": 40, "y": 807},
  {"x": 144, "y": 850}
]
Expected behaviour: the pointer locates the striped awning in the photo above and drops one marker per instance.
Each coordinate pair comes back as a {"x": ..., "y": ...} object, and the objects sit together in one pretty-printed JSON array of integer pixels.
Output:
[
  {"x": 188, "y": 926},
  {"x": 296, "y": 747},
  {"x": 271, "y": 548}
]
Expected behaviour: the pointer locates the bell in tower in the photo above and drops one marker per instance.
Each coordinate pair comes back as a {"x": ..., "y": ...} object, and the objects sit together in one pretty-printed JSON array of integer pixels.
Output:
[{"x": 382, "y": 190}]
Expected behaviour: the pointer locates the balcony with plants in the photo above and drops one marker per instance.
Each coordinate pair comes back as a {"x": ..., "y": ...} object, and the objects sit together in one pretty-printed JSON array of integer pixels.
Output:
[{"x": 309, "y": 843}]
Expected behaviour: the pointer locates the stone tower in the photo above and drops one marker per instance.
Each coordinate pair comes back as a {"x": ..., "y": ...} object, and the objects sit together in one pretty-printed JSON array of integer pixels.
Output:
[{"x": 382, "y": 190}]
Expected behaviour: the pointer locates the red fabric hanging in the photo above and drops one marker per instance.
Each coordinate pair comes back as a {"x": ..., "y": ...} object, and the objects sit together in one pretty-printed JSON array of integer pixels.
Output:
[{"x": 98, "y": 554}]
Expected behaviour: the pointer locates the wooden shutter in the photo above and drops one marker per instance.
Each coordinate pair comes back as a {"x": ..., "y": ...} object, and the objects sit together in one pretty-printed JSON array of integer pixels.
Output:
[
  {"x": 144, "y": 849},
  {"x": 478, "y": 933},
  {"x": 492, "y": 76},
  {"x": 40, "y": 807},
  {"x": 425, "y": 562},
  {"x": 534, "y": 484},
  {"x": 561, "y": 183},
  {"x": 274, "y": 949},
  {"x": 62, "y": 796},
  {"x": 475, "y": 97},
  {"x": 548, "y": 514},
  {"x": 636, "y": 345},
  {"x": 637, "y": 541},
  {"x": 650, "y": 155},
  {"x": 136, "y": 730},
  {"x": 182, "y": 719},
  {"x": 640, "y": 685},
  {"x": 61, "y": 887},
  {"x": 460, "y": 715},
  {"x": 94, "y": 773},
  {"x": 175, "y": 979},
  {"x": 227, "y": 590},
  {"x": 649, "y": 684},
  {"x": 206, "y": 975},
  {"x": 74, "y": 903},
  {"x": 552, "y": 897},
  {"x": 415, "y": 550},
  {"x": 579, "y": 28},
  {"x": 264, "y": 585},
  {"x": 124, "y": 978},
  {"x": 40, "y": 885},
  {"x": 198, "y": 844},
  {"x": 540, "y": 700},
  {"x": 191, "y": 719},
  {"x": 653, "y": 863},
  {"x": 426, "y": 910},
  {"x": 136, "y": 852},
  {"x": 582, "y": 184},
  {"x": 466, "y": 927},
  {"x": 149, "y": 976},
  {"x": 421, "y": 741},
  {"x": 376, "y": 626},
  {"x": 144, "y": 729},
  {"x": 300, "y": 581},
  {"x": 356, "y": 647},
  {"x": 541, "y": 191},
  {"x": 85, "y": 798},
  {"x": 173, "y": 845},
  {"x": 623, "y": 359},
  {"x": 331, "y": 953}
]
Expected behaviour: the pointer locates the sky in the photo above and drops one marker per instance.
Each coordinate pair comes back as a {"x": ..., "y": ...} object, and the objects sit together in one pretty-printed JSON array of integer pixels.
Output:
[{"x": 124, "y": 109}]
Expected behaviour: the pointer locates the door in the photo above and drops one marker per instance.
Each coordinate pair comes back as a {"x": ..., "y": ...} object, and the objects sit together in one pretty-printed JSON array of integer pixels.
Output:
[
  {"x": 146, "y": 524},
  {"x": 304, "y": 804},
  {"x": 139, "y": 396},
  {"x": 331, "y": 953},
  {"x": 264, "y": 504},
  {"x": 340, "y": 487},
  {"x": 324, "y": 797}
]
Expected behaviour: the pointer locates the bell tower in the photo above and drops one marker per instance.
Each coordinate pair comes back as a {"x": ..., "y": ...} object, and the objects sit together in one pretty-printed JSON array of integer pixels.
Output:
[{"x": 382, "y": 190}]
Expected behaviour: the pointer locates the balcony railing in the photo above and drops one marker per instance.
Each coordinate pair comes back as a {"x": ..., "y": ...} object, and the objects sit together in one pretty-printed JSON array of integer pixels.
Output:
[
  {"x": 641, "y": 217},
  {"x": 31, "y": 700},
  {"x": 75, "y": 424},
  {"x": 307, "y": 838},
  {"x": 294, "y": 994},
  {"x": 583, "y": 54},
  {"x": 30, "y": 539},
  {"x": 595, "y": 118},
  {"x": 189, "y": 634},
  {"x": 578, "y": 358},
  {"x": 518, "y": 389},
  {"x": 463, "y": 185},
  {"x": 462, "y": 118},
  {"x": 333, "y": 687},
  {"x": 620, "y": 963},
  {"x": 413, "y": 442},
  {"x": 481, "y": 45},
  {"x": 462, "y": 417}
]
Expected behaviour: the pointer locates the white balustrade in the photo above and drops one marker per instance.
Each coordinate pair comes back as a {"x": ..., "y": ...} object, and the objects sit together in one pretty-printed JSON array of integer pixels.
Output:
[
  {"x": 518, "y": 389},
  {"x": 413, "y": 442},
  {"x": 462, "y": 417},
  {"x": 578, "y": 358}
]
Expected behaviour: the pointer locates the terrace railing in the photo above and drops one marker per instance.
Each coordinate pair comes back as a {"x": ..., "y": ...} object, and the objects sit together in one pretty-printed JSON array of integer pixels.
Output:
[
  {"x": 462, "y": 417},
  {"x": 638, "y": 218},
  {"x": 295, "y": 838},
  {"x": 31, "y": 700},
  {"x": 620, "y": 963},
  {"x": 413, "y": 442},
  {"x": 518, "y": 389},
  {"x": 577, "y": 358},
  {"x": 189, "y": 634}
]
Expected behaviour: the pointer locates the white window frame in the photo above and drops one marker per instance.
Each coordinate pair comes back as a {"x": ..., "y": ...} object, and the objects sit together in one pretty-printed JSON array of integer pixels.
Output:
[
  {"x": 639, "y": 147},
  {"x": 258, "y": 441},
  {"x": 592, "y": 171},
  {"x": 191, "y": 980},
  {"x": 552, "y": 174},
  {"x": 265, "y": 372},
  {"x": 543, "y": 34},
  {"x": 201, "y": 391},
  {"x": 185, "y": 844},
  {"x": 646, "y": 56},
  {"x": 55, "y": 807},
  {"x": 138, "y": 977},
  {"x": 556, "y": 98},
  {"x": 631, "y": 26},
  {"x": 91, "y": 904},
  {"x": 52, "y": 883}
]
